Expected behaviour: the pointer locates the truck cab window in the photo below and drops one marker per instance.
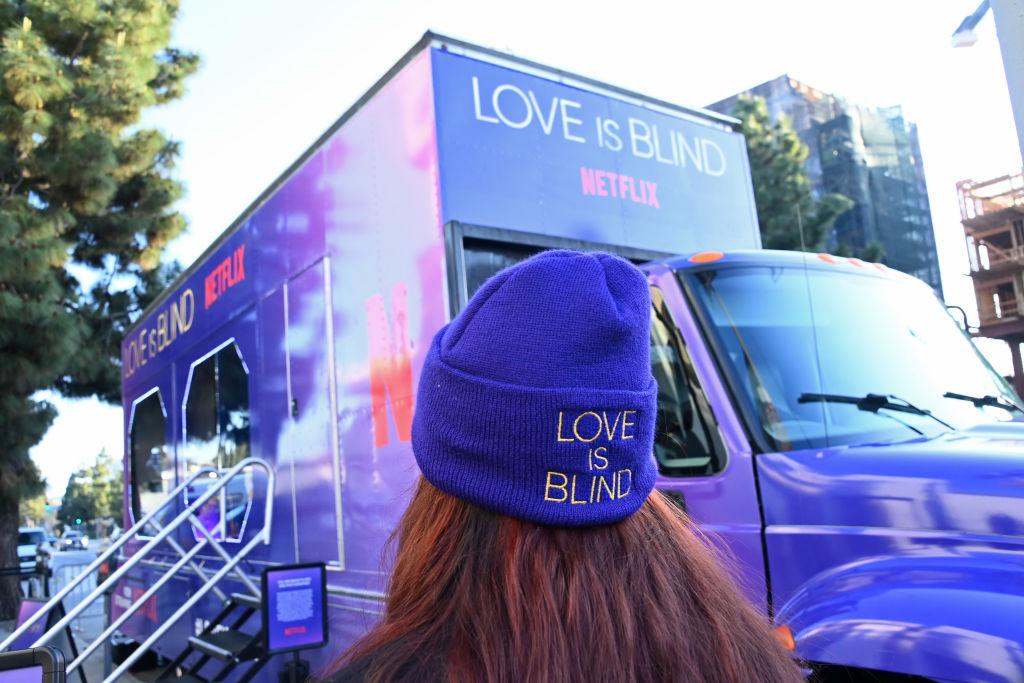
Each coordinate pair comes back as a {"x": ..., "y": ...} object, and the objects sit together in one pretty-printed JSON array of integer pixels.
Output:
[
  {"x": 151, "y": 467},
  {"x": 683, "y": 443},
  {"x": 485, "y": 258},
  {"x": 216, "y": 413}
]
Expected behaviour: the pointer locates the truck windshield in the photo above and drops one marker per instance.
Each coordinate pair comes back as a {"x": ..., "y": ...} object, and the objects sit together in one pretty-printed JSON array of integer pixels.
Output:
[
  {"x": 830, "y": 357},
  {"x": 31, "y": 537}
]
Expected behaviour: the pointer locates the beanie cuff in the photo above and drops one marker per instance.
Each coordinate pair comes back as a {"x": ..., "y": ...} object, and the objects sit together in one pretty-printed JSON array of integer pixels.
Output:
[{"x": 553, "y": 456}]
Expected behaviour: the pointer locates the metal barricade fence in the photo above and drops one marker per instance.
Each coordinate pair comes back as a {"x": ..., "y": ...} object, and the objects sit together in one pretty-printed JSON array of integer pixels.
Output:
[{"x": 64, "y": 568}]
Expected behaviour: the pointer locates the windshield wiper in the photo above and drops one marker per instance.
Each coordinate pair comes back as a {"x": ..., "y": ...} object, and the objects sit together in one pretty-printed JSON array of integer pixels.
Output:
[
  {"x": 872, "y": 403},
  {"x": 982, "y": 401}
]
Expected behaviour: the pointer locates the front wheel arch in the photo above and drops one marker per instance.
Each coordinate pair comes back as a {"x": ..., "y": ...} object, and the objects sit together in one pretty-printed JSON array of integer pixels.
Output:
[{"x": 834, "y": 673}]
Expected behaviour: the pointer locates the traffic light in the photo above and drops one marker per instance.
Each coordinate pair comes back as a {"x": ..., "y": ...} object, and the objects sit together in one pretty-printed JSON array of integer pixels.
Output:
[{"x": 78, "y": 520}]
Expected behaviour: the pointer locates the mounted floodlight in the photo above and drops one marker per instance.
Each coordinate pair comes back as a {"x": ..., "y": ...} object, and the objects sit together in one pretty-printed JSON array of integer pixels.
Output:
[
  {"x": 965, "y": 38},
  {"x": 964, "y": 35}
]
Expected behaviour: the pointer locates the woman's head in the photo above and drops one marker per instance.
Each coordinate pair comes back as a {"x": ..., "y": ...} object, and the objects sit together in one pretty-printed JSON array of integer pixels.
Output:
[
  {"x": 537, "y": 401},
  {"x": 476, "y": 595}
]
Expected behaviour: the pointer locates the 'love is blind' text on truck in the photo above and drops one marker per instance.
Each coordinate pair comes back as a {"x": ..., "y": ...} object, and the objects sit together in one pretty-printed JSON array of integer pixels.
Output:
[{"x": 823, "y": 419}]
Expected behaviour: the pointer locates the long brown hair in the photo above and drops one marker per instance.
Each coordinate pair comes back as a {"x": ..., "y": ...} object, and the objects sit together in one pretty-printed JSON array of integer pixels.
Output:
[{"x": 477, "y": 596}]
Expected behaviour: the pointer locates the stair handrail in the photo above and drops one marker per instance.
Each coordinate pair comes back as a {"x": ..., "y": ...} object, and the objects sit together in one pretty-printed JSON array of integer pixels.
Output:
[
  {"x": 222, "y": 480},
  {"x": 208, "y": 540},
  {"x": 103, "y": 557},
  {"x": 173, "y": 525},
  {"x": 133, "y": 608},
  {"x": 262, "y": 536}
]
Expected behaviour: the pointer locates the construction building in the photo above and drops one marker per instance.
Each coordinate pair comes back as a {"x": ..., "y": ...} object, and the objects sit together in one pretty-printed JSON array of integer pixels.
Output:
[
  {"x": 992, "y": 213},
  {"x": 869, "y": 154}
]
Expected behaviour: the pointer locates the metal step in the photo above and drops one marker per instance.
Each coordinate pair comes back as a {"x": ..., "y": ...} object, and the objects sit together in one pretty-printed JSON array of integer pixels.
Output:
[
  {"x": 247, "y": 599},
  {"x": 227, "y": 645}
]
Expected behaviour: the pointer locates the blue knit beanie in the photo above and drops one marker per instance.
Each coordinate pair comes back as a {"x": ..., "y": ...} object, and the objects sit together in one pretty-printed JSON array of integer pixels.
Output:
[{"x": 537, "y": 400}]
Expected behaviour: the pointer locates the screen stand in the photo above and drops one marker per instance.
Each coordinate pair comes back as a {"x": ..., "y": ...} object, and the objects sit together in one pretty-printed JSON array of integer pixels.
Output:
[
  {"x": 56, "y": 615},
  {"x": 294, "y": 671}
]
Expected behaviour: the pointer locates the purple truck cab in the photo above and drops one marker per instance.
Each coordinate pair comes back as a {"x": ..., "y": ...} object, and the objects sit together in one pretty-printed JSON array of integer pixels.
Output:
[
  {"x": 874, "y": 462},
  {"x": 825, "y": 421}
]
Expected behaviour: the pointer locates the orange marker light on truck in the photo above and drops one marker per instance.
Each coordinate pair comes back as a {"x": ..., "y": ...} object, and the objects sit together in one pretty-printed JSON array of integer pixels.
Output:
[
  {"x": 828, "y": 258},
  {"x": 855, "y": 262},
  {"x": 706, "y": 257},
  {"x": 785, "y": 637}
]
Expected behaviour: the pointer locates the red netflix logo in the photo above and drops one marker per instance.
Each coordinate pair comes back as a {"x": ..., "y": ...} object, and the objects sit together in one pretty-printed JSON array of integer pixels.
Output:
[
  {"x": 596, "y": 182},
  {"x": 224, "y": 276}
]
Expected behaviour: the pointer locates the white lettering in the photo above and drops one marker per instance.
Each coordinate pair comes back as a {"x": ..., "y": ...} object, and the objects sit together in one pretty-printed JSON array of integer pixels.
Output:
[
  {"x": 611, "y": 133},
  {"x": 674, "y": 161},
  {"x": 693, "y": 153},
  {"x": 476, "y": 103},
  {"x": 566, "y": 120},
  {"x": 708, "y": 145},
  {"x": 640, "y": 132},
  {"x": 496, "y": 102},
  {"x": 549, "y": 124}
]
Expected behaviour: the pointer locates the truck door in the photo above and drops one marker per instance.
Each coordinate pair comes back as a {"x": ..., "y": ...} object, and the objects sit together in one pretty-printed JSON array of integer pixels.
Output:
[
  {"x": 309, "y": 447},
  {"x": 704, "y": 460}
]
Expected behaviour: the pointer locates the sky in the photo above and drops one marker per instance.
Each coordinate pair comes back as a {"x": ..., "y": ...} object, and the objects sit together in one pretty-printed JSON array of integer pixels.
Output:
[{"x": 275, "y": 75}]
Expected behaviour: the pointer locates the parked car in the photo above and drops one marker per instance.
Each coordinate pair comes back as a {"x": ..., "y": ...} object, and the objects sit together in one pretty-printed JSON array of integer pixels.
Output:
[
  {"x": 74, "y": 540},
  {"x": 31, "y": 540}
]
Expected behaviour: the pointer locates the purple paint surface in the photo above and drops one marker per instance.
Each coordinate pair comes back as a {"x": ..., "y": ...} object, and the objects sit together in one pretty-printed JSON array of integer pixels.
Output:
[
  {"x": 29, "y": 674},
  {"x": 25, "y": 611}
]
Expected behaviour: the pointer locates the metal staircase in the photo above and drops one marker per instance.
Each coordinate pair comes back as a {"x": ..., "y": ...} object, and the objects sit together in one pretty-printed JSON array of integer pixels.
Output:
[{"x": 229, "y": 645}]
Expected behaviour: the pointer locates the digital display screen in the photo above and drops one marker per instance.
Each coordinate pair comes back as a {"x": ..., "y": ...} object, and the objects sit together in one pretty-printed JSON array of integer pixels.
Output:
[
  {"x": 28, "y": 674},
  {"x": 295, "y": 607},
  {"x": 25, "y": 611}
]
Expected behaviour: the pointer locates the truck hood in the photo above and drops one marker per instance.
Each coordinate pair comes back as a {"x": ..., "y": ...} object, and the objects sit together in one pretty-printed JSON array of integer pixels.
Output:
[{"x": 969, "y": 481}]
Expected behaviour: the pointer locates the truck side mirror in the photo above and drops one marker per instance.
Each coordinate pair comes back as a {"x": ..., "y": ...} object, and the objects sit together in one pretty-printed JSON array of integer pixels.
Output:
[{"x": 960, "y": 315}]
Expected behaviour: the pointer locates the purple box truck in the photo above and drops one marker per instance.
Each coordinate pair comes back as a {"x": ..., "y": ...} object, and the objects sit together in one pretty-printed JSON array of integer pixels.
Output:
[{"x": 825, "y": 420}]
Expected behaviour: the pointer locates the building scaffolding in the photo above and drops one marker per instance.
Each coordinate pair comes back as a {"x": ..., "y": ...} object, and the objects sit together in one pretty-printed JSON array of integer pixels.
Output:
[{"x": 992, "y": 214}]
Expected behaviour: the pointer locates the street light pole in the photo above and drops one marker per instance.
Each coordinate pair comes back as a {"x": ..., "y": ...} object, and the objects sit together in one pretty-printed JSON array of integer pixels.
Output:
[{"x": 1009, "y": 18}]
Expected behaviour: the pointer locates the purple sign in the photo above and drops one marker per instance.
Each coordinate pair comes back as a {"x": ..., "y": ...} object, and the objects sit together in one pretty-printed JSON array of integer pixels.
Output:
[
  {"x": 295, "y": 607},
  {"x": 25, "y": 611},
  {"x": 526, "y": 152},
  {"x": 28, "y": 674}
]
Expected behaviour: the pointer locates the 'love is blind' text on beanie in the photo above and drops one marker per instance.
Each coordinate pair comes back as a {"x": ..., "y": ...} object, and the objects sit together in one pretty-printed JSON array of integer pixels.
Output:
[{"x": 537, "y": 400}]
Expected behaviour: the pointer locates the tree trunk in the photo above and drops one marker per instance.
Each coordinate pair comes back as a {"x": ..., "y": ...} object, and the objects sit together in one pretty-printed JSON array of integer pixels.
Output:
[{"x": 9, "y": 593}]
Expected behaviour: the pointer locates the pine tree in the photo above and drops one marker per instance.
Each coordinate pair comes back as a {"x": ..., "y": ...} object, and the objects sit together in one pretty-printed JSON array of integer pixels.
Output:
[
  {"x": 94, "y": 493},
  {"x": 789, "y": 215},
  {"x": 86, "y": 197}
]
